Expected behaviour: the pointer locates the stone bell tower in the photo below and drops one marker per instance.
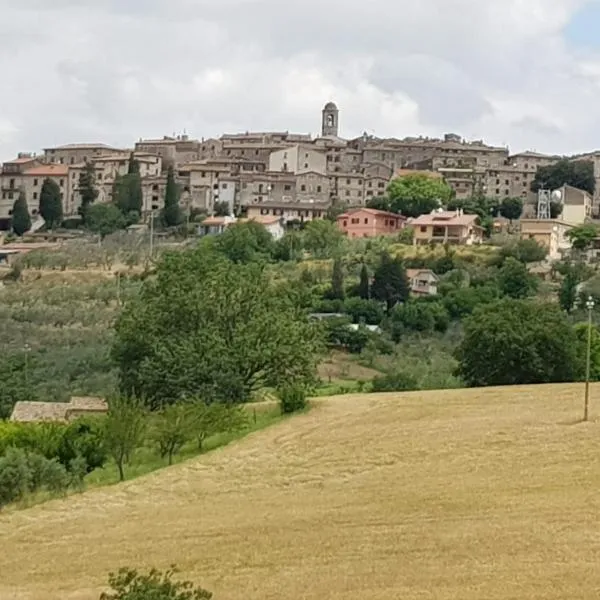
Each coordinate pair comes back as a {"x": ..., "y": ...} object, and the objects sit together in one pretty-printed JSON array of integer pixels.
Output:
[{"x": 330, "y": 125}]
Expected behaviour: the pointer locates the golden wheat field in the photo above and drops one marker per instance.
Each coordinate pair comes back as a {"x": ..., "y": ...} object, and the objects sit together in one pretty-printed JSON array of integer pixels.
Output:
[{"x": 462, "y": 495}]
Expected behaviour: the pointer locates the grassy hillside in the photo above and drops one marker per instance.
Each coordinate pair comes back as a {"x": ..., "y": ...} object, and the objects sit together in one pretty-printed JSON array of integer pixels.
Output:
[{"x": 464, "y": 494}]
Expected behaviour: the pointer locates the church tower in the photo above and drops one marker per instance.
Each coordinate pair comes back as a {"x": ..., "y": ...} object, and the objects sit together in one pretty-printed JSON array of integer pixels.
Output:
[{"x": 330, "y": 120}]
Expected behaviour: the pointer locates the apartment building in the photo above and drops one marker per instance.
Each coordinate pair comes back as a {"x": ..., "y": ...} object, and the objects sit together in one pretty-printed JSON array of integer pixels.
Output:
[
  {"x": 174, "y": 151},
  {"x": 298, "y": 159},
  {"x": 348, "y": 188},
  {"x": 289, "y": 212},
  {"x": 368, "y": 222},
  {"x": 73, "y": 154}
]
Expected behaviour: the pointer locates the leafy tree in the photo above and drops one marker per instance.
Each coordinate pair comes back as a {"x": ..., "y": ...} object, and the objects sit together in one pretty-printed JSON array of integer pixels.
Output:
[
  {"x": 21, "y": 220},
  {"x": 221, "y": 209},
  {"x": 369, "y": 312},
  {"x": 245, "y": 242},
  {"x": 287, "y": 248},
  {"x": 418, "y": 194},
  {"x": 171, "y": 214},
  {"x": 576, "y": 173},
  {"x": 15, "y": 476},
  {"x": 525, "y": 251},
  {"x": 82, "y": 439},
  {"x": 205, "y": 420},
  {"x": 482, "y": 206},
  {"x": 16, "y": 385},
  {"x": 171, "y": 430},
  {"x": 567, "y": 294},
  {"x": 87, "y": 188},
  {"x": 513, "y": 342},
  {"x": 128, "y": 584},
  {"x": 51, "y": 207},
  {"x": 364, "y": 286},
  {"x": 423, "y": 316},
  {"x": 104, "y": 219},
  {"x": 582, "y": 237},
  {"x": 399, "y": 381},
  {"x": 322, "y": 238},
  {"x": 379, "y": 203},
  {"x": 511, "y": 208},
  {"x": 210, "y": 327},
  {"x": 337, "y": 281},
  {"x": 124, "y": 427},
  {"x": 515, "y": 281},
  {"x": 390, "y": 282}
]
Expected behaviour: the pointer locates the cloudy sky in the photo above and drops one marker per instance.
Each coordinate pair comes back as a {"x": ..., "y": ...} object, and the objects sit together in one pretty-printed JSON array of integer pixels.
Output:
[{"x": 523, "y": 73}]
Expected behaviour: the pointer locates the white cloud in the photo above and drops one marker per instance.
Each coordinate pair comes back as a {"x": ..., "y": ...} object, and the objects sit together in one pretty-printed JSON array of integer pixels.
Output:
[{"x": 112, "y": 71}]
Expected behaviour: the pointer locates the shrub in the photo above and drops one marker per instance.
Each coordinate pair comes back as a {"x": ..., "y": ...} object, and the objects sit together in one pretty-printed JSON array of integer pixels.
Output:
[
  {"x": 395, "y": 382},
  {"x": 364, "y": 311},
  {"x": 292, "y": 398},
  {"x": 83, "y": 439},
  {"x": 15, "y": 476},
  {"x": 128, "y": 584}
]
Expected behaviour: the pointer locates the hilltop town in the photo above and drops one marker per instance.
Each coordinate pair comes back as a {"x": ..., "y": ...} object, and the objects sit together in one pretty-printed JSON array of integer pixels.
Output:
[{"x": 292, "y": 176}]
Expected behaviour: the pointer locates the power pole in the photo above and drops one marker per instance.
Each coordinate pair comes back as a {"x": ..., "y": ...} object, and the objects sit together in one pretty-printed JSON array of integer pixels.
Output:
[{"x": 590, "y": 307}]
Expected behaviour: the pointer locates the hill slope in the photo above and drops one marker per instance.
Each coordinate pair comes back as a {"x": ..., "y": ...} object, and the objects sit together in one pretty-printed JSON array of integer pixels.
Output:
[{"x": 447, "y": 495}]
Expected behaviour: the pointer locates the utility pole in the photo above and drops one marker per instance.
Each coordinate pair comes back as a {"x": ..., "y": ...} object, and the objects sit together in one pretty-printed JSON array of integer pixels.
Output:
[{"x": 590, "y": 307}]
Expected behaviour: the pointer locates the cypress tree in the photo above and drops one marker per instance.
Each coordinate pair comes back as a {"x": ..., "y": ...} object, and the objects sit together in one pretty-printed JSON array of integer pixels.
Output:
[
  {"x": 363, "y": 286},
  {"x": 51, "y": 203},
  {"x": 87, "y": 189},
  {"x": 171, "y": 215},
  {"x": 337, "y": 280},
  {"x": 390, "y": 283},
  {"x": 21, "y": 221}
]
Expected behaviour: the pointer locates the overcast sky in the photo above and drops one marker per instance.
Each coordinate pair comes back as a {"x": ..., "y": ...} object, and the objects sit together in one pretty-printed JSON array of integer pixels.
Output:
[{"x": 523, "y": 73}]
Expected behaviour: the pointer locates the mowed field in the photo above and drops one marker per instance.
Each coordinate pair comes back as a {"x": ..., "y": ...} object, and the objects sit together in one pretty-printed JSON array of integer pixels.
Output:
[{"x": 462, "y": 495}]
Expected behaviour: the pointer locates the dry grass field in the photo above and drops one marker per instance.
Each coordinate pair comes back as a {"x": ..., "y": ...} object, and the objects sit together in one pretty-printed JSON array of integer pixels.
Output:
[{"x": 462, "y": 495}]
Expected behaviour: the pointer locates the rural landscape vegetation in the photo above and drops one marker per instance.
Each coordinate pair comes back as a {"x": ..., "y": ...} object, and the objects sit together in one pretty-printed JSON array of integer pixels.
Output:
[{"x": 199, "y": 342}]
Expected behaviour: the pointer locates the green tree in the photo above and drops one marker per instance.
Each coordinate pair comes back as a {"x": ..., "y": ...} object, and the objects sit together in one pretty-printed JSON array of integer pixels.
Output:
[
  {"x": 576, "y": 173},
  {"x": 221, "y": 209},
  {"x": 21, "y": 221},
  {"x": 104, "y": 219},
  {"x": 515, "y": 281},
  {"x": 511, "y": 208},
  {"x": 16, "y": 382},
  {"x": 337, "y": 280},
  {"x": 87, "y": 188},
  {"x": 582, "y": 237},
  {"x": 128, "y": 584},
  {"x": 171, "y": 214},
  {"x": 245, "y": 327},
  {"x": 322, "y": 238},
  {"x": 124, "y": 428},
  {"x": 205, "y": 420},
  {"x": 245, "y": 242},
  {"x": 364, "y": 291},
  {"x": 127, "y": 192},
  {"x": 51, "y": 207},
  {"x": 171, "y": 430},
  {"x": 567, "y": 294},
  {"x": 512, "y": 342},
  {"x": 390, "y": 282},
  {"x": 418, "y": 194},
  {"x": 525, "y": 251},
  {"x": 379, "y": 203}
]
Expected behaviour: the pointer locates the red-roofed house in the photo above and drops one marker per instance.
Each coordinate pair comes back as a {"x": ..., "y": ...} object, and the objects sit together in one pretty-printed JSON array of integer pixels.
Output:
[
  {"x": 447, "y": 227},
  {"x": 368, "y": 222}
]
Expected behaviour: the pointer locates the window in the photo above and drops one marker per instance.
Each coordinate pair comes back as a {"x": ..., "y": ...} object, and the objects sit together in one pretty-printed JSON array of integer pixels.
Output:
[
  {"x": 348, "y": 181},
  {"x": 244, "y": 186},
  {"x": 381, "y": 184},
  {"x": 370, "y": 184},
  {"x": 355, "y": 221},
  {"x": 497, "y": 182},
  {"x": 35, "y": 182},
  {"x": 35, "y": 195},
  {"x": 203, "y": 174},
  {"x": 497, "y": 191},
  {"x": 306, "y": 155},
  {"x": 155, "y": 207},
  {"x": 11, "y": 185},
  {"x": 99, "y": 176},
  {"x": 347, "y": 192},
  {"x": 224, "y": 186},
  {"x": 506, "y": 182},
  {"x": 506, "y": 192},
  {"x": 423, "y": 228},
  {"x": 62, "y": 183},
  {"x": 319, "y": 188},
  {"x": 366, "y": 221},
  {"x": 10, "y": 195},
  {"x": 287, "y": 187},
  {"x": 260, "y": 198},
  {"x": 34, "y": 211},
  {"x": 302, "y": 188},
  {"x": 345, "y": 223},
  {"x": 306, "y": 165},
  {"x": 155, "y": 188}
]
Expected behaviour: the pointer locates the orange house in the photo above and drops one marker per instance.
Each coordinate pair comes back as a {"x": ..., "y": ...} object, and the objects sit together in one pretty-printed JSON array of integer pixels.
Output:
[{"x": 368, "y": 222}]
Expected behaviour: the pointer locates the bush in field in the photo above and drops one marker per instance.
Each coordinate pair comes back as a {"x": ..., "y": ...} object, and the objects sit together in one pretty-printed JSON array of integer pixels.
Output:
[
  {"x": 128, "y": 584},
  {"x": 292, "y": 398},
  {"x": 395, "y": 382},
  {"x": 205, "y": 420},
  {"x": 171, "y": 430},
  {"x": 83, "y": 438}
]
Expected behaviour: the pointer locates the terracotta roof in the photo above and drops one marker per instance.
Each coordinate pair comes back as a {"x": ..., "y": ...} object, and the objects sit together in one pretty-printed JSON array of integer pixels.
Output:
[
  {"x": 81, "y": 147},
  {"x": 88, "y": 403},
  {"x": 31, "y": 412},
  {"x": 264, "y": 219},
  {"x": 48, "y": 171},
  {"x": 372, "y": 211},
  {"x": 412, "y": 273},
  {"x": 21, "y": 160},
  {"x": 445, "y": 218}
]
